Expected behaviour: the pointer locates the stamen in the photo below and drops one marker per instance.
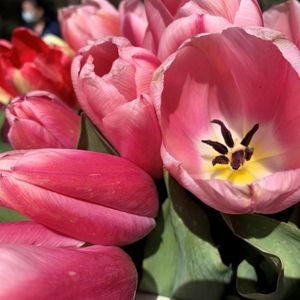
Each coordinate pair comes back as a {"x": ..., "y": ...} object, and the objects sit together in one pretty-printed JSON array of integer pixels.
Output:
[
  {"x": 237, "y": 159},
  {"x": 247, "y": 139},
  {"x": 217, "y": 146},
  {"x": 225, "y": 133},
  {"x": 248, "y": 153},
  {"x": 221, "y": 159},
  {"x": 237, "y": 155}
]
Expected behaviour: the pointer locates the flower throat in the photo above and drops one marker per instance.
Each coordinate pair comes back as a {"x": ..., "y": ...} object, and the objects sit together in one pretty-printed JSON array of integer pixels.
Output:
[{"x": 239, "y": 155}]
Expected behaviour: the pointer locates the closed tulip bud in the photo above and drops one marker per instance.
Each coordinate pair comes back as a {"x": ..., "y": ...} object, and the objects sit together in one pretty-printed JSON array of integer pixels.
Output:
[
  {"x": 90, "y": 196},
  {"x": 112, "y": 81},
  {"x": 99, "y": 17},
  {"x": 95, "y": 272},
  {"x": 41, "y": 120},
  {"x": 36, "y": 263}
]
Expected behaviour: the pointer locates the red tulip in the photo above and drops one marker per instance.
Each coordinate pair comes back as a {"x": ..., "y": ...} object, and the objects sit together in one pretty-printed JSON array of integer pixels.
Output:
[
  {"x": 41, "y": 120},
  {"x": 111, "y": 80},
  {"x": 90, "y": 196},
  {"x": 30, "y": 64}
]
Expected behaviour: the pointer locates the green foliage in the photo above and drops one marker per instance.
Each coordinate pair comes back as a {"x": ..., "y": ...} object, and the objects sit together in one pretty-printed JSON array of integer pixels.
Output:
[
  {"x": 265, "y": 4},
  {"x": 91, "y": 139},
  {"x": 276, "y": 263},
  {"x": 196, "y": 252},
  {"x": 3, "y": 145},
  {"x": 9, "y": 215},
  {"x": 182, "y": 260}
]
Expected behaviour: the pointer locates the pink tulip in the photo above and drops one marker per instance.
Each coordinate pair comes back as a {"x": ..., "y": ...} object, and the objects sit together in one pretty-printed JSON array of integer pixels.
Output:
[
  {"x": 90, "y": 196},
  {"x": 238, "y": 12},
  {"x": 88, "y": 21},
  {"x": 133, "y": 21},
  {"x": 167, "y": 31},
  {"x": 30, "y": 233},
  {"x": 30, "y": 64},
  {"x": 111, "y": 80},
  {"x": 36, "y": 263},
  {"x": 285, "y": 17},
  {"x": 229, "y": 112},
  {"x": 94, "y": 272},
  {"x": 41, "y": 120}
]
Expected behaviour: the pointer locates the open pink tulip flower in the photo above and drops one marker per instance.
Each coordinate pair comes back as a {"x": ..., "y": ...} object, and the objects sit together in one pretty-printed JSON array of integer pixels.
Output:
[
  {"x": 40, "y": 120},
  {"x": 285, "y": 17},
  {"x": 88, "y": 21},
  {"x": 228, "y": 106},
  {"x": 89, "y": 196},
  {"x": 27, "y": 63},
  {"x": 112, "y": 79}
]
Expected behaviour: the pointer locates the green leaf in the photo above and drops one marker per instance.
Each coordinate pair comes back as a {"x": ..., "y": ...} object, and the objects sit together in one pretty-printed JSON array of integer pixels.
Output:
[
  {"x": 3, "y": 146},
  {"x": 91, "y": 139},
  {"x": 182, "y": 261},
  {"x": 265, "y": 4},
  {"x": 8, "y": 215},
  {"x": 279, "y": 244}
]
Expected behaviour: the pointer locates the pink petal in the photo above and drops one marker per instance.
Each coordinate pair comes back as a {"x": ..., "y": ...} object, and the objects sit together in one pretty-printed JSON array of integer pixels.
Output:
[
  {"x": 73, "y": 217},
  {"x": 65, "y": 274},
  {"x": 225, "y": 9},
  {"x": 177, "y": 32},
  {"x": 285, "y": 18},
  {"x": 104, "y": 4},
  {"x": 173, "y": 6},
  {"x": 84, "y": 22},
  {"x": 277, "y": 192},
  {"x": 134, "y": 132},
  {"x": 95, "y": 73},
  {"x": 100, "y": 178},
  {"x": 30, "y": 233},
  {"x": 27, "y": 134},
  {"x": 133, "y": 21},
  {"x": 288, "y": 49},
  {"x": 248, "y": 14},
  {"x": 158, "y": 18},
  {"x": 134, "y": 29}
]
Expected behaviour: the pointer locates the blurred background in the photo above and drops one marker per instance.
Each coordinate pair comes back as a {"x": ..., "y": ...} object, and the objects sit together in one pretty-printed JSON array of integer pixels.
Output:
[{"x": 10, "y": 12}]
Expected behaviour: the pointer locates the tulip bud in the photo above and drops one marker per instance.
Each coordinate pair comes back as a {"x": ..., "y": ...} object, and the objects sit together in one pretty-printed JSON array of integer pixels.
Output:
[
  {"x": 95, "y": 272},
  {"x": 112, "y": 81},
  {"x": 90, "y": 196},
  {"x": 99, "y": 18},
  {"x": 41, "y": 120}
]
